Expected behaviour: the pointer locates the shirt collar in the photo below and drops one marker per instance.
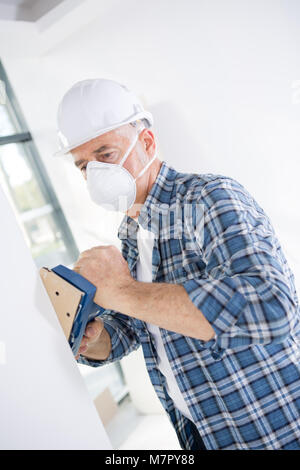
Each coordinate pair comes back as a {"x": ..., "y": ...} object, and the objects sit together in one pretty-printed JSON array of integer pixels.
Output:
[{"x": 158, "y": 198}]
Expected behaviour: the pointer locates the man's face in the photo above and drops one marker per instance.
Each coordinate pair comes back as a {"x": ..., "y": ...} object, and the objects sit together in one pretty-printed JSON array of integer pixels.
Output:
[{"x": 111, "y": 147}]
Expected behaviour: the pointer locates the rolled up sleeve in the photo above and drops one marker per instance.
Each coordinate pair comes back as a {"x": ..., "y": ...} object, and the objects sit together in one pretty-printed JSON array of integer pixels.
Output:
[{"x": 247, "y": 291}]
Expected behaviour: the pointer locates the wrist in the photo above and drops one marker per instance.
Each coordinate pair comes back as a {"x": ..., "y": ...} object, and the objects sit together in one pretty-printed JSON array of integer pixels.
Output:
[
  {"x": 116, "y": 297},
  {"x": 124, "y": 296}
]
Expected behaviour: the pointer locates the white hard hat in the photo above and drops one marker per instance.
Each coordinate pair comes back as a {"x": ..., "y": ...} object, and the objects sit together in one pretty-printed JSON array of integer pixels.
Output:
[{"x": 95, "y": 106}]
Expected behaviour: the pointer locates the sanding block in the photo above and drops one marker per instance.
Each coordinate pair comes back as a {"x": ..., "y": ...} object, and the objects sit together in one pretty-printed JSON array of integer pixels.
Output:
[{"x": 72, "y": 297}]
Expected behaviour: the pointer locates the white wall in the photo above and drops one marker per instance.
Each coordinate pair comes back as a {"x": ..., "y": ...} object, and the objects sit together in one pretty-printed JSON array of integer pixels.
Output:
[
  {"x": 43, "y": 401},
  {"x": 219, "y": 78},
  {"x": 222, "y": 79}
]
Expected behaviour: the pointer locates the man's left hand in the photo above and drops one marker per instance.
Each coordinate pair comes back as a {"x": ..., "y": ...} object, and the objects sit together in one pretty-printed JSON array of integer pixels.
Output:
[{"x": 105, "y": 267}]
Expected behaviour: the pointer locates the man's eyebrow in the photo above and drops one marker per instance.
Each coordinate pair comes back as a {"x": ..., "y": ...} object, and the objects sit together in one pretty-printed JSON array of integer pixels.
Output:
[{"x": 101, "y": 149}]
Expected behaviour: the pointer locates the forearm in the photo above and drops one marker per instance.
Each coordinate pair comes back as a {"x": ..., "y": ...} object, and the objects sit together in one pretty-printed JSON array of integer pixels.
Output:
[
  {"x": 165, "y": 305},
  {"x": 101, "y": 349}
]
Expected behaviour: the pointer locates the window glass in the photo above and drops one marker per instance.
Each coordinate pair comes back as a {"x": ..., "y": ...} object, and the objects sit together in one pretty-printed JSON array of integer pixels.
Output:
[
  {"x": 8, "y": 122},
  {"x": 46, "y": 241},
  {"x": 20, "y": 177},
  {"x": 39, "y": 214}
]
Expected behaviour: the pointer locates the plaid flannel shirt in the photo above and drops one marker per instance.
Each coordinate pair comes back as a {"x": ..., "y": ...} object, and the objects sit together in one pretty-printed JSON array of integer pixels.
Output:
[{"x": 243, "y": 386}]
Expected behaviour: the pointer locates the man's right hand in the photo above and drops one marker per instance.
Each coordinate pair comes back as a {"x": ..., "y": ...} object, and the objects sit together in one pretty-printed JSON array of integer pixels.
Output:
[{"x": 91, "y": 339}]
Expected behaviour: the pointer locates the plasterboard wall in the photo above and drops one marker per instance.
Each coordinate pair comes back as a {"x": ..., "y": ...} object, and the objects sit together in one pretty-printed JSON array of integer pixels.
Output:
[{"x": 44, "y": 403}]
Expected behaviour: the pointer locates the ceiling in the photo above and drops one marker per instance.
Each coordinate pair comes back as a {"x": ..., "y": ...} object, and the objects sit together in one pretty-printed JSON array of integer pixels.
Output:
[
  {"x": 18, "y": 2},
  {"x": 34, "y": 27},
  {"x": 26, "y": 10}
]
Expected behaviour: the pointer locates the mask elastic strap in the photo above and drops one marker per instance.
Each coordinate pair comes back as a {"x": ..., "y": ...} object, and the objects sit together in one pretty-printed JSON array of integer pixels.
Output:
[
  {"x": 146, "y": 167},
  {"x": 131, "y": 146}
]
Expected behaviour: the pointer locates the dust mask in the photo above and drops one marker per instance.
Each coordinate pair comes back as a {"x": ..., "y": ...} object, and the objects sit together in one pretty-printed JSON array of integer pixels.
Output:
[{"x": 110, "y": 185}]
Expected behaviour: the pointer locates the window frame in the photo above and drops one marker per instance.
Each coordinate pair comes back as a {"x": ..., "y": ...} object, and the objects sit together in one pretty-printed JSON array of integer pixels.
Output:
[
  {"x": 38, "y": 168},
  {"x": 52, "y": 205}
]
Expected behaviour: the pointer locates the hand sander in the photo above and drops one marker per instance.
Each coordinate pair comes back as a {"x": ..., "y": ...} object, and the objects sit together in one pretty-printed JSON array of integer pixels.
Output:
[{"x": 72, "y": 297}]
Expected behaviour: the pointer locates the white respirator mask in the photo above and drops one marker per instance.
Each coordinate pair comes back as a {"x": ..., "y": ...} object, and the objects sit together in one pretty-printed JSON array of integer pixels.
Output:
[{"x": 110, "y": 185}]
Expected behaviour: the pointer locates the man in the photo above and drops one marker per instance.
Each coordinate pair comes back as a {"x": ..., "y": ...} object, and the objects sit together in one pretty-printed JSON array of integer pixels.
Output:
[{"x": 202, "y": 283}]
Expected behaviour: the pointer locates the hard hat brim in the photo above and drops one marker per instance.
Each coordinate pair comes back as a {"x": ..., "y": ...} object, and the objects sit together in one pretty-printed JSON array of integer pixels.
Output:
[{"x": 139, "y": 116}]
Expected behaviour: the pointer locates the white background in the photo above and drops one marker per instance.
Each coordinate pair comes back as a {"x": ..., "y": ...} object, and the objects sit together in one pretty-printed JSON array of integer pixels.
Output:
[
  {"x": 43, "y": 401},
  {"x": 221, "y": 77}
]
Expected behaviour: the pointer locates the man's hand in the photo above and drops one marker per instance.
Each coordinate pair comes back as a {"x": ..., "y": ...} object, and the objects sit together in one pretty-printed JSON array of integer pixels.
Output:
[
  {"x": 105, "y": 267},
  {"x": 91, "y": 344},
  {"x": 165, "y": 305}
]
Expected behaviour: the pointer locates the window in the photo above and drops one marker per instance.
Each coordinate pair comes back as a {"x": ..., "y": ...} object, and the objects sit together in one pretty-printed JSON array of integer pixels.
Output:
[
  {"x": 45, "y": 229},
  {"x": 27, "y": 185}
]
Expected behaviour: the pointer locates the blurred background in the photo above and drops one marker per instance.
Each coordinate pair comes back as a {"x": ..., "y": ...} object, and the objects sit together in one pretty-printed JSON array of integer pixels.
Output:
[{"x": 222, "y": 79}]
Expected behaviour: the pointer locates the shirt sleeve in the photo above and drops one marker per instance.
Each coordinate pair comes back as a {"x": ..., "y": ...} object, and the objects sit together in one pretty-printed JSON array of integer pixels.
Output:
[
  {"x": 122, "y": 335},
  {"x": 246, "y": 291}
]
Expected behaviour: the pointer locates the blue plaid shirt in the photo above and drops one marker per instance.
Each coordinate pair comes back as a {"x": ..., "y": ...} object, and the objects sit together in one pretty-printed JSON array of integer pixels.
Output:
[{"x": 243, "y": 386}]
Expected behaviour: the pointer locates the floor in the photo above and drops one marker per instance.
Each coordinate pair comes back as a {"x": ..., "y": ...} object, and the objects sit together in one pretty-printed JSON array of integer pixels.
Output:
[{"x": 129, "y": 430}]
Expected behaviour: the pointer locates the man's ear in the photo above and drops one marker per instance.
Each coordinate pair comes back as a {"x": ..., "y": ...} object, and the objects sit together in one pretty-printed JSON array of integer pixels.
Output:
[{"x": 148, "y": 140}]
